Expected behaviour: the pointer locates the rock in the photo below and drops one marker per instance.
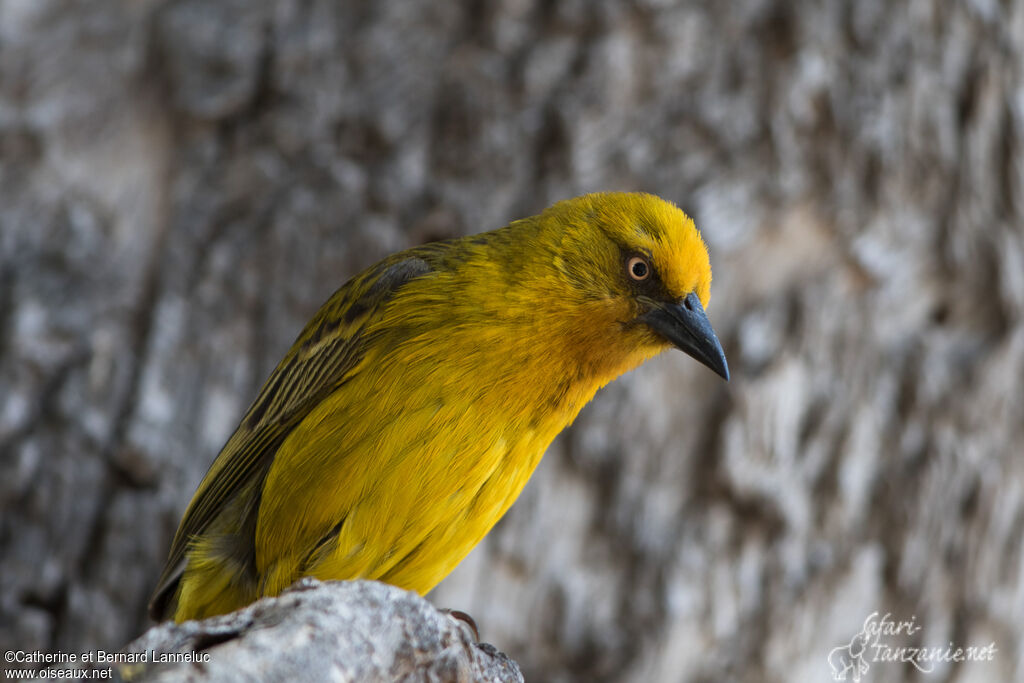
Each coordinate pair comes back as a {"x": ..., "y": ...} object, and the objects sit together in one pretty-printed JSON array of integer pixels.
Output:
[{"x": 335, "y": 631}]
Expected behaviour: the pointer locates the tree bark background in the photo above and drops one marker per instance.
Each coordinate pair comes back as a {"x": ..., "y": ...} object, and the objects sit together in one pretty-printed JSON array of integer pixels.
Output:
[{"x": 182, "y": 183}]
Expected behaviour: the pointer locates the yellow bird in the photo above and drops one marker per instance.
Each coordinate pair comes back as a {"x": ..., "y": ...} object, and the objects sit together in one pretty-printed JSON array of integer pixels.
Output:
[{"x": 412, "y": 409}]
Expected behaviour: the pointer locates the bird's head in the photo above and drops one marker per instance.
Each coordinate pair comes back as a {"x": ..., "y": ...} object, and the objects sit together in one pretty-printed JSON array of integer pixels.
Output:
[{"x": 637, "y": 263}]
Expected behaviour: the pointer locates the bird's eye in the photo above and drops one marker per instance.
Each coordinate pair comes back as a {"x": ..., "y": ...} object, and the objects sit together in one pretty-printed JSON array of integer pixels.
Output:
[{"x": 638, "y": 268}]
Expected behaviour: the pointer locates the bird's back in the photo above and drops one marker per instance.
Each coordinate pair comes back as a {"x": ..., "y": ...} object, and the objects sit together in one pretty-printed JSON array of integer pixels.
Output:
[{"x": 400, "y": 458}]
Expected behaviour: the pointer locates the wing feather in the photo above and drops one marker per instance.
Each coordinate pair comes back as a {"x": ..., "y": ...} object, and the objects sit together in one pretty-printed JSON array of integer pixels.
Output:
[{"x": 320, "y": 361}]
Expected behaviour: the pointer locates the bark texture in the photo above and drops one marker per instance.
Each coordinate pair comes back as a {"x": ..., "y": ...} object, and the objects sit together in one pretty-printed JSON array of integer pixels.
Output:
[{"x": 182, "y": 183}]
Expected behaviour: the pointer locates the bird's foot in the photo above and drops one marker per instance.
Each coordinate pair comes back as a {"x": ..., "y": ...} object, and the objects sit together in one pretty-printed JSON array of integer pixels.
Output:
[{"x": 465, "y": 618}]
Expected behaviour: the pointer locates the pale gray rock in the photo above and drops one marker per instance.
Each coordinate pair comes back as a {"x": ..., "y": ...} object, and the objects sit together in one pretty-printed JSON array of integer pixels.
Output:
[{"x": 337, "y": 631}]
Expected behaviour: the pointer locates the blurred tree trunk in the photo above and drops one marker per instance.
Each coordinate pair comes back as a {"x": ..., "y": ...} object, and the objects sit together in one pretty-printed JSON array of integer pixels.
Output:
[{"x": 183, "y": 183}]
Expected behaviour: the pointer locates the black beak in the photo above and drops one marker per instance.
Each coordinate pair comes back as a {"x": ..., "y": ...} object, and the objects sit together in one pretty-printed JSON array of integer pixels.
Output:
[{"x": 684, "y": 324}]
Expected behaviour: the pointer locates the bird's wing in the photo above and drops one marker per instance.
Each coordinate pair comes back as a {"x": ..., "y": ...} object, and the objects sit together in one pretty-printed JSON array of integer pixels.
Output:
[{"x": 320, "y": 360}]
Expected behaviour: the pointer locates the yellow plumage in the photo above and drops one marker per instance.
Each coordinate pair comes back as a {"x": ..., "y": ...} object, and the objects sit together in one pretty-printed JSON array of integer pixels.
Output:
[{"x": 412, "y": 409}]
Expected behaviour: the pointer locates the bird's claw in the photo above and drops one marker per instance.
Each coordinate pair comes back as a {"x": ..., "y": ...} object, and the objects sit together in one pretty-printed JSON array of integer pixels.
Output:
[{"x": 466, "y": 619}]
